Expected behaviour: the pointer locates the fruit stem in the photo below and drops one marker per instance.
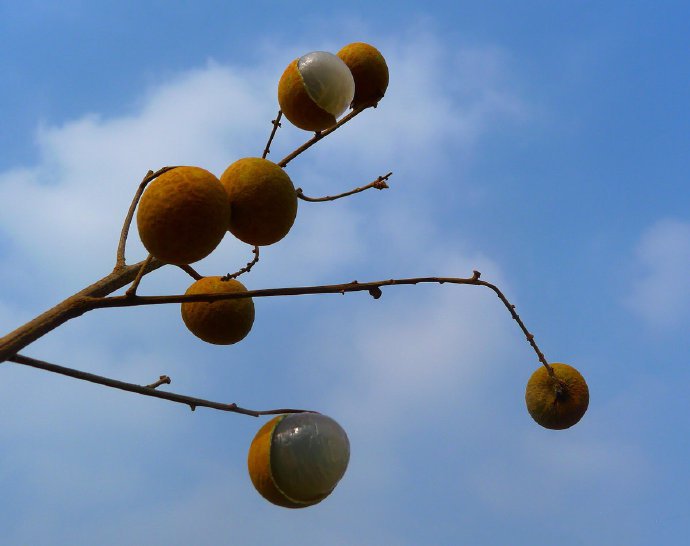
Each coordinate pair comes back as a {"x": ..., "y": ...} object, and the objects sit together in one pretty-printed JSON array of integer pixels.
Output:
[{"x": 559, "y": 386}]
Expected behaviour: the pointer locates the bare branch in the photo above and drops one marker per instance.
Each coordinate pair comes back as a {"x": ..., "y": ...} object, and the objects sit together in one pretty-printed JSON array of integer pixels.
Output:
[
  {"x": 91, "y": 298},
  {"x": 373, "y": 288},
  {"x": 276, "y": 124},
  {"x": 321, "y": 135},
  {"x": 148, "y": 390},
  {"x": 246, "y": 268},
  {"x": 379, "y": 184}
]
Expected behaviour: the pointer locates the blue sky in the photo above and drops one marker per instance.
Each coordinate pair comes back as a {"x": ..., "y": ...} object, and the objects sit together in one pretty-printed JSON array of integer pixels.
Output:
[{"x": 543, "y": 143}]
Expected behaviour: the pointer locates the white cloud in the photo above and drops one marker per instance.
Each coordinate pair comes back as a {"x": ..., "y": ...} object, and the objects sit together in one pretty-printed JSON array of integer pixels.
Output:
[
  {"x": 660, "y": 291},
  {"x": 67, "y": 209}
]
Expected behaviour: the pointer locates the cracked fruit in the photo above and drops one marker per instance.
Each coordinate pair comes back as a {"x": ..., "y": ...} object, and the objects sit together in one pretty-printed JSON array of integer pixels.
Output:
[
  {"x": 222, "y": 322},
  {"x": 296, "y": 460},
  {"x": 315, "y": 90},
  {"x": 557, "y": 402},
  {"x": 183, "y": 215},
  {"x": 369, "y": 70},
  {"x": 263, "y": 201}
]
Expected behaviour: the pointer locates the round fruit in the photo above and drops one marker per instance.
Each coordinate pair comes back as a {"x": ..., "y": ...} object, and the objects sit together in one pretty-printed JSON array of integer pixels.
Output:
[
  {"x": 296, "y": 460},
  {"x": 369, "y": 70},
  {"x": 222, "y": 322},
  {"x": 183, "y": 215},
  {"x": 557, "y": 402},
  {"x": 315, "y": 90},
  {"x": 263, "y": 201}
]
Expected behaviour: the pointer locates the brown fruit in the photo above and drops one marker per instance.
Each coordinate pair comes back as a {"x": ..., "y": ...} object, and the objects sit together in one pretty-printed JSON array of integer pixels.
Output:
[
  {"x": 183, "y": 215},
  {"x": 370, "y": 71},
  {"x": 557, "y": 402},
  {"x": 221, "y": 322},
  {"x": 315, "y": 90},
  {"x": 263, "y": 201}
]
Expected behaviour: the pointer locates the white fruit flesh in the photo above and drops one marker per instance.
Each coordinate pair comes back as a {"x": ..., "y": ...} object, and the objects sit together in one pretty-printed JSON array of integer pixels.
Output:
[{"x": 328, "y": 81}]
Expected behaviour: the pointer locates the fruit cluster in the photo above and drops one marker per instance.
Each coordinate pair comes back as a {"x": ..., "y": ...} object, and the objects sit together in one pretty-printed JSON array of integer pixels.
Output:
[
  {"x": 295, "y": 460},
  {"x": 184, "y": 213},
  {"x": 318, "y": 87}
]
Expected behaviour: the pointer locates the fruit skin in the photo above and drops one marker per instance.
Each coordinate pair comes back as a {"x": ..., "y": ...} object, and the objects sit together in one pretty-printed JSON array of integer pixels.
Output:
[
  {"x": 183, "y": 215},
  {"x": 557, "y": 403},
  {"x": 297, "y": 105},
  {"x": 221, "y": 322},
  {"x": 263, "y": 201},
  {"x": 315, "y": 90},
  {"x": 296, "y": 460},
  {"x": 370, "y": 71},
  {"x": 259, "y": 465}
]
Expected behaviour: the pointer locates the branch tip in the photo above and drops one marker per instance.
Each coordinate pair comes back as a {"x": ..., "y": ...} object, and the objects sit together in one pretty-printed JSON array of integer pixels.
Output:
[
  {"x": 246, "y": 268},
  {"x": 163, "y": 380},
  {"x": 379, "y": 184}
]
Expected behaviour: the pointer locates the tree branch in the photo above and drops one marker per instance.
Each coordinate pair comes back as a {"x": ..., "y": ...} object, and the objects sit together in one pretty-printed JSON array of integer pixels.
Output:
[
  {"x": 70, "y": 308},
  {"x": 162, "y": 380},
  {"x": 92, "y": 298},
  {"x": 191, "y": 272},
  {"x": 149, "y": 390},
  {"x": 132, "y": 290},
  {"x": 276, "y": 124},
  {"x": 379, "y": 184},
  {"x": 373, "y": 287},
  {"x": 246, "y": 268},
  {"x": 323, "y": 134}
]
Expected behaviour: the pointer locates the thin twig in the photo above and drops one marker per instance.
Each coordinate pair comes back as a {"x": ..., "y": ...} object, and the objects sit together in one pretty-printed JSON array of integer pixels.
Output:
[
  {"x": 321, "y": 135},
  {"x": 276, "y": 124},
  {"x": 162, "y": 380},
  {"x": 120, "y": 259},
  {"x": 246, "y": 268},
  {"x": 379, "y": 184},
  {"x": 150, "y": 390},
  {"x": 132, "y": 290}
]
